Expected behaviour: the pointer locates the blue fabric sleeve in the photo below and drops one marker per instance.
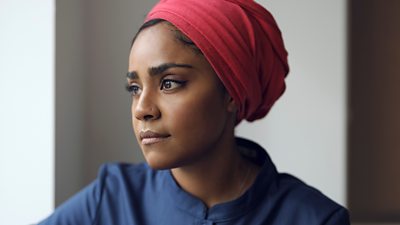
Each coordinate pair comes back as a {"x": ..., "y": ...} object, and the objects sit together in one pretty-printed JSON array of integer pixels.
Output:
[{"x": 80, "y": 209}]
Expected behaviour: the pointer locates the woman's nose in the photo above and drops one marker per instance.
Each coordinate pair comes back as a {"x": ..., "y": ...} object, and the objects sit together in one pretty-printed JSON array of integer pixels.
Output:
[{"x": 146, "y": 108}]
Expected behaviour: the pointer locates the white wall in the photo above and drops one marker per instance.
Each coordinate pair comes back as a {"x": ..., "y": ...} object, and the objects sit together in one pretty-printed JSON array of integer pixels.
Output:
[
  {"x": 26, "y": 110},
  {"x": 305, "y": 133}
]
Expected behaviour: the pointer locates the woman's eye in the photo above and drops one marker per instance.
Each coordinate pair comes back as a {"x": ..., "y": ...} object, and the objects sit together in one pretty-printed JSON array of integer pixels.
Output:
[
  {"x": 133, "y": 89},
  {"x": 171, "y": 84}
]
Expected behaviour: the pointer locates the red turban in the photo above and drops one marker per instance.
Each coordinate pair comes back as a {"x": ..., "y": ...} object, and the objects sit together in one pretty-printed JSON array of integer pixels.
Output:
[{"x": 241, "y": 41}]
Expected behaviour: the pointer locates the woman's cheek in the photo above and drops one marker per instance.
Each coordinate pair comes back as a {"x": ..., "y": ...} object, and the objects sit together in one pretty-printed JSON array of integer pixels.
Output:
[{"x": 201, "y": 114}]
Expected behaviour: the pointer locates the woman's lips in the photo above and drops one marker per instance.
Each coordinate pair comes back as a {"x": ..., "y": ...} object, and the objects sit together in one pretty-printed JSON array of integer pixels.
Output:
[{"x": 150, "y": 137}]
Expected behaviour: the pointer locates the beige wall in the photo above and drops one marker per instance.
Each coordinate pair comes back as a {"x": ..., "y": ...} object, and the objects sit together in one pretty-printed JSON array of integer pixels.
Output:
[
  {"x": 111, "y": 26},
  {"x": 70, "y": 98},
  {"x": 374, "y": 110}
]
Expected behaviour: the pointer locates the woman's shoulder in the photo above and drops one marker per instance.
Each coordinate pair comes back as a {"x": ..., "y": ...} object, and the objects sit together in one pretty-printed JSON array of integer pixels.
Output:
[
  {"x": 284, "y": 190},
  {"x": 298, "y": 192},
  {"x": 106, "y": 198},
  {"x": 306, "y": 202}
]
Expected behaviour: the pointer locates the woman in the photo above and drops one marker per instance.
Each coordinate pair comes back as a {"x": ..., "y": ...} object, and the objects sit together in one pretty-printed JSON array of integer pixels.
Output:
[{"x": 196, "y": 69}]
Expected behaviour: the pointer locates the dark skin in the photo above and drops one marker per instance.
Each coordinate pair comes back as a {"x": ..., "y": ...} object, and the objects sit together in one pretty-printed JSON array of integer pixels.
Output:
[{"x": 183, "y": 118}]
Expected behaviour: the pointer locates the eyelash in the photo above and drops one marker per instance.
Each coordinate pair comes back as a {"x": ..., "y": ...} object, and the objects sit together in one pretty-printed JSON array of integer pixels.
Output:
[
  {"x": 133, "y": 89},
  {"x": 177, "y": 82}
]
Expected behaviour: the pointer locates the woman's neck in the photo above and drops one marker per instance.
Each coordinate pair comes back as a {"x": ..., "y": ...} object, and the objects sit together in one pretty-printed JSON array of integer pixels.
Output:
[{"x": 220, "y": 177}]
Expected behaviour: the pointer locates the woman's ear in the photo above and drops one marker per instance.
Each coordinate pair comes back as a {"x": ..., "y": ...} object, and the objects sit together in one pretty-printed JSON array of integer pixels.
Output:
[{"x": 231, "y": 105}]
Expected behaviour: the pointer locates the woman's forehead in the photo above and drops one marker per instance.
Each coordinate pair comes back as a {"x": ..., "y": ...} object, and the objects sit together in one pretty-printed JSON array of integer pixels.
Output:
[
  {"x": 153, "y": 35},
  {"x": 156, "y": 45}
]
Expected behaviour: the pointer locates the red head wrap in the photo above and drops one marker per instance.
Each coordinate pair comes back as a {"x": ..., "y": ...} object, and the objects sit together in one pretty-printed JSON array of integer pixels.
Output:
[{"x": 241, "y": 41}]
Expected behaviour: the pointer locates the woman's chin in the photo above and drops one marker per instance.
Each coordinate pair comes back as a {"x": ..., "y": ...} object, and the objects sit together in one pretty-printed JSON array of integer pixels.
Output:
[
  {"x": 161, "y": 164},
  {"x": 158, "y": 166}
]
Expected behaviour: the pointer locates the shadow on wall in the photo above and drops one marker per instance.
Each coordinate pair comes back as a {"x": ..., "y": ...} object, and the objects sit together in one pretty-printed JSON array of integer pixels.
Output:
[{"x": 374, "y": 109}]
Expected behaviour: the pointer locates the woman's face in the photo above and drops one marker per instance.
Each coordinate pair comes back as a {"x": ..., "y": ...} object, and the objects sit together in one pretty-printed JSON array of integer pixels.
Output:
[{"x": 180, "y": 111}]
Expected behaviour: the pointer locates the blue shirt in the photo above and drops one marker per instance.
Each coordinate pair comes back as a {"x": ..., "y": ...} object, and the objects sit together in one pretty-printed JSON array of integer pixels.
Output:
[{"x": 126, "y": 194}]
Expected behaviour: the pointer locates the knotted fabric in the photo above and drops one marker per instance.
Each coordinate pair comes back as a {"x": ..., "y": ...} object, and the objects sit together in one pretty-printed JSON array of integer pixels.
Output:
[{"x": 241, "y": 41}]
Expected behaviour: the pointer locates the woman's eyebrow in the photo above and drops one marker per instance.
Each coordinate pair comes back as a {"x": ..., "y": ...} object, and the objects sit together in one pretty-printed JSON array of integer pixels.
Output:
[
  {"x": 154, "y": 71},
  {"x": 132, "y": 75}
]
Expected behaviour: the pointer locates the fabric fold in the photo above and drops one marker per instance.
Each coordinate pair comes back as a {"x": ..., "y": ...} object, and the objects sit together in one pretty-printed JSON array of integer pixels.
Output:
[{"x": 243, "y": 44}]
